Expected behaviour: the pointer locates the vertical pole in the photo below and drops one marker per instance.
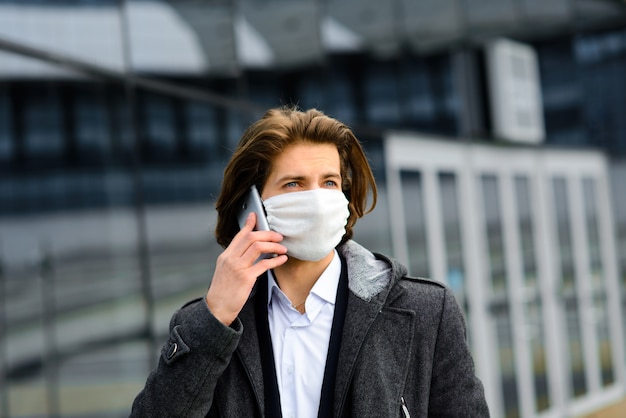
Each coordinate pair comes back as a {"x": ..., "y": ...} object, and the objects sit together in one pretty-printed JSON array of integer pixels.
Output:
[
  {"x": 516, "y": 293},
  {"x": 584, "y": 289},
  {"x": 549, "y": 278},
  {"x": 610, "y": 261},
  {"x": 478, "y": 287},
  {"x": 140, "y": 210},
  {"x": 48, "y": 305},
  {"x": 4, "y": 386}
]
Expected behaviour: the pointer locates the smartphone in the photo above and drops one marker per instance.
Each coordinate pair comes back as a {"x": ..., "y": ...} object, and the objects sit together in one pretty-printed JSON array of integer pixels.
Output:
[{"x": 253, "y": 203}]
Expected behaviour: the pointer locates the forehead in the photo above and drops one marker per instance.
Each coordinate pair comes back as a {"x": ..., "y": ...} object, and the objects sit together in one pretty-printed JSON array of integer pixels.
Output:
[{"x": 306, "y": 155}]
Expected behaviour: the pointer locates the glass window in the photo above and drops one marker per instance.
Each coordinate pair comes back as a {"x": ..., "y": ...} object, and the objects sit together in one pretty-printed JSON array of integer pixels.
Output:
[
  {"x": 598, "y": 282},
  {"x": 235, "y": 125},
  {"x": 340, "y": 92},
  {"x": 264, "y": 88},
  {"x": 413, "y": 199},
  {"x": 564, "y": 234},
  {"x": 455, "y": 274},
  {"x": 568, "y": 288},
  {"x": 495, "y": 240},
  {"x": 499, "y": 304},
  {"x": 585, "y": 107},
  {"x": 533, "y": 306},
  {"x": 602, "y": 63},
  {"x": 527, "y": 232},
  {"x": 561, "y": 93},
  {"x": 311, "y": 89},
  {"x": 374, "y": 231},
  {"x": 618, "y": 195},
  {"x": 43, "y": 130},
  {"x": 452, "y": 230},
  {"x": 431, "y": 100},
  {"x": 382, "y": 93},
  {"x": 202, "y": 130},
  {"x": 122, "y": 133},
  {"x": 6, "y": 136},
  {"x": 420, "y": 105},
  {"x": 160, "y": 127},
  {"x": 91, "y": 125}
]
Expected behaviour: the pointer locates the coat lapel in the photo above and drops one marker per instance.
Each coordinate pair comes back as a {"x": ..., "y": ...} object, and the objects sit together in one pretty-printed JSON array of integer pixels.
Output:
[
  {"x": 359, "y": 318},
  {"x": 249, "y": 351}
]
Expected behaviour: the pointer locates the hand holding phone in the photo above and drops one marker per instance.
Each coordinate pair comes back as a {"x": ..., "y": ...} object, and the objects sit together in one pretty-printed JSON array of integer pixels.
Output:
[
  {"x": 236, "y": 270},
  {"x": 234, "y": 276}
]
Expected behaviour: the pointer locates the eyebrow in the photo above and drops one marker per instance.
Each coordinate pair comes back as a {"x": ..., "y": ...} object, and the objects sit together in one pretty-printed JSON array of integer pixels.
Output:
[{"x": 293, "y": 177}]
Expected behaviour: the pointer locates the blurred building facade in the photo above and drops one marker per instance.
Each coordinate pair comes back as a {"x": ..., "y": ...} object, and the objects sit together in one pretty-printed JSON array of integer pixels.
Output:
[{"x": 496, "y": 130}]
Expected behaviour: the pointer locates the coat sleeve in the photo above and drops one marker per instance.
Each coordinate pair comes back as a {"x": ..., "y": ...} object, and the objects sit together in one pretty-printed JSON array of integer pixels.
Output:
[
  {"x": 196, "y": 354},
  {"x": 455, "y": 389}
]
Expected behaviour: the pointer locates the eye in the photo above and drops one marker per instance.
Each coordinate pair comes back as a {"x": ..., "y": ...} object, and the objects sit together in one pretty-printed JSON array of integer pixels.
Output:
[
  {"x": 330, "y": 183},
  {"x": 291, "y": 184}
]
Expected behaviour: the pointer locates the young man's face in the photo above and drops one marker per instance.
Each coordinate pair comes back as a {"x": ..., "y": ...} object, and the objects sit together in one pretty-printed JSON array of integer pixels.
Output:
[{"x": 304, "y": 166}]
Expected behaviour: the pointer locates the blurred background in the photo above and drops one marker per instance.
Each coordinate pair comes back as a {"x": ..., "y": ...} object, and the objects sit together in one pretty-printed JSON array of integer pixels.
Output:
[{"x": 496, "y": 130}]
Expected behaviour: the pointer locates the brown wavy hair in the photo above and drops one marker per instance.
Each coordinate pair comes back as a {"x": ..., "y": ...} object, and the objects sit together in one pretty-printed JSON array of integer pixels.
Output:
[{"x": 252, "y": 160}]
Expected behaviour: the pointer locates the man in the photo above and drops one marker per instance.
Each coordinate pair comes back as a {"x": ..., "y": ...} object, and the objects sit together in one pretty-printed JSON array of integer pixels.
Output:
[{"x": 323, "y": 327}]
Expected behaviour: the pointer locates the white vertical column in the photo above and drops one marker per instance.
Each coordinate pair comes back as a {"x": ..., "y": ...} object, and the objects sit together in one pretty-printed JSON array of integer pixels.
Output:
[
  {"x": 549, "y": 279},
  {"x": 584, "y": 289},
  {"x": 609, "y": 264},
  {"x": 437, "y": 258},
  {"x": 396, "y": 205},
  {"x": 475, "y": 256},
  {"x": 516, "y": 294}
]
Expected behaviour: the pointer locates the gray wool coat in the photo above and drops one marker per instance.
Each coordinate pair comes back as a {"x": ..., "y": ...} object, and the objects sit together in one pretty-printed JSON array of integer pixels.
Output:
[{"x": 403, "y": 351}]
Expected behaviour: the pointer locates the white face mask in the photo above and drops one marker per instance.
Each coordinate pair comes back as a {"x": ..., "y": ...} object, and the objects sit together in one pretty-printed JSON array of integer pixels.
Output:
[{"x": 312, "y": 222}]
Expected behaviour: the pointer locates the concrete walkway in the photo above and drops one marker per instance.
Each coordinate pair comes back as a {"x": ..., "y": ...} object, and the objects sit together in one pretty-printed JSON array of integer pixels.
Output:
[{"x": 617, "y": 410}]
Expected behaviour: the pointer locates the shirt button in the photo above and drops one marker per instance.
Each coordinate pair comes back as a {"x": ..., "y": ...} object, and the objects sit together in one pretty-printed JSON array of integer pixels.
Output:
[{"x": 290, "y": 369}]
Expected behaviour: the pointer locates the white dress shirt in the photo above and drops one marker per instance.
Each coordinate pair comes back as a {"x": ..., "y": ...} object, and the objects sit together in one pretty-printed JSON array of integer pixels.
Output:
[{"x": 300, "y": 341}]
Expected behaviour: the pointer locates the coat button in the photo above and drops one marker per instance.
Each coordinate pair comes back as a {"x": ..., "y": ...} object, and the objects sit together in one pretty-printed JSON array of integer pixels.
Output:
[{"x": 172, "y": 349}]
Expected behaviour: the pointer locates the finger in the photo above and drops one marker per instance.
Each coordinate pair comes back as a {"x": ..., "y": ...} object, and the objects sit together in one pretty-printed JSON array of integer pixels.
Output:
[
  {"x": 242, "y": 239},
  {"x": 260, "y": 248},
  {"x": 247, "y": 237},
  {"x": 267, "y": 236},
  {"x": 268, "y": 263},
  {"x": 252, "y": 245},
  {"x": 263, "y": 235},
  {"x": 250, "y": 222}
]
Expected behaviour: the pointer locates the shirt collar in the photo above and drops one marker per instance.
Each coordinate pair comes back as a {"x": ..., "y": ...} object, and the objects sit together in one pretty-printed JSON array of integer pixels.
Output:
[{"x": 325, "y": 287}]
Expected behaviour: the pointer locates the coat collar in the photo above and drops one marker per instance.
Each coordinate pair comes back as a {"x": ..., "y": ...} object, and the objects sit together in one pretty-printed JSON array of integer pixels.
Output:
[{"x": 369, "y": 274}]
